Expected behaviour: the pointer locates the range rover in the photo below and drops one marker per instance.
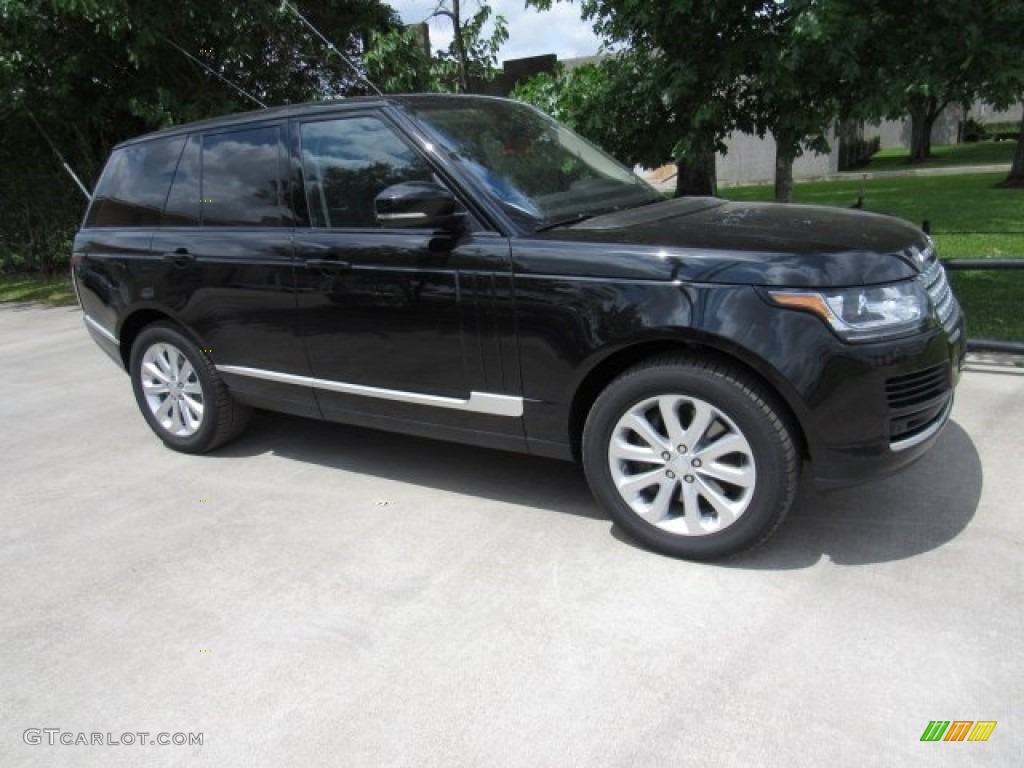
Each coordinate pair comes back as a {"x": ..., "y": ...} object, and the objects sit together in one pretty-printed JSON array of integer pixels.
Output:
[{"x": 466, "y": 268}]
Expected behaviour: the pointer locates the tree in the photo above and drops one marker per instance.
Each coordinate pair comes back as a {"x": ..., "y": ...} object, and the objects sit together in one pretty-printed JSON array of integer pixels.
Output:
[
  {"x": 1004, "y": 84},
  {"x": 612, "y": 104},
  {"x": 93, "y": 72},
  {"x": 791, "y": 90},
  {"x": 694, "y": 54},
  {"x": 472, "y": 57},
  {"x": 400, "y": 62},
  {"x": 771, "y": 71},
  {"x": 913, "y": 57}
]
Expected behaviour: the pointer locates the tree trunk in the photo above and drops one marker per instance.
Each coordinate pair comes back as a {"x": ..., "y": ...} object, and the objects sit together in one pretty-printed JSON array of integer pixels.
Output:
[
  {"x": 1016, "y": 176},
  {"x": 924, "y": 111},
  {"x": 698, "y": 177},
  {"x": 918, "y": 117},
  {"x": 929, "y": 123},
  {"x": 460, "y": 48},
  {"x": 784, "y": 157}
]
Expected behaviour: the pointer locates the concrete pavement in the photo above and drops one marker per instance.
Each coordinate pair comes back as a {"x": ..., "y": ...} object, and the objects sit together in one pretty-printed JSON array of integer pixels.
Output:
[{"x": 322, "y": 595}]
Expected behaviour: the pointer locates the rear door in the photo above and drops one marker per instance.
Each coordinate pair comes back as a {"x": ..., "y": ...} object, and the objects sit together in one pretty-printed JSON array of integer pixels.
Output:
[{"x": 222, "y": 261}]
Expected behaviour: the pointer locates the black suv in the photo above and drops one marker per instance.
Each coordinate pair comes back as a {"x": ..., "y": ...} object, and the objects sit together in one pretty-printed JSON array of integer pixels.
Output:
[{"x": 466, "y": 268}]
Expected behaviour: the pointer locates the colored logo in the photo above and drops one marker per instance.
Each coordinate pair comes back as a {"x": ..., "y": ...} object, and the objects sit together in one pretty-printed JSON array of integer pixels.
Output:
[{"x": 958, "y": 730}]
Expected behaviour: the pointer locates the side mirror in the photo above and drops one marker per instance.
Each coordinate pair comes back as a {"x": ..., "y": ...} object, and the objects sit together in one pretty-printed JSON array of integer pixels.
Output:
[{"x": 417, "y": 204}]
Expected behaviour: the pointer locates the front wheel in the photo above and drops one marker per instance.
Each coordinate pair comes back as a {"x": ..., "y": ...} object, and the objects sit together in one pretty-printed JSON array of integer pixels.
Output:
[
  {"x": 691, "y": 457},
  {"x": 180, "y": 394}
]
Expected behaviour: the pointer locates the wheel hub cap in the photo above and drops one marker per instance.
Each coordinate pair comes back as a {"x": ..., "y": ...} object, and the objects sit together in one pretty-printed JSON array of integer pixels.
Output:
[
  {"x": 682, "y": 465},
  {"x": 173, "y": 392}
]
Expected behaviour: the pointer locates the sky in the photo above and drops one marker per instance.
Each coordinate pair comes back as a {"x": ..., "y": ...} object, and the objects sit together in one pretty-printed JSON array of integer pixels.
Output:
[{"x": 530, "y": 33}]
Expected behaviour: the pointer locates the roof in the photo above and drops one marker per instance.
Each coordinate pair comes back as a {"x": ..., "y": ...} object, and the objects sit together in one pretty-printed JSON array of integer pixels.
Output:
[{"x": 307, "y": 108}]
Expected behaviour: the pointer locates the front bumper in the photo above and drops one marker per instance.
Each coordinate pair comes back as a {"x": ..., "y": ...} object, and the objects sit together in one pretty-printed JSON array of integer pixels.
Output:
[{"x": 911, "y": 401}]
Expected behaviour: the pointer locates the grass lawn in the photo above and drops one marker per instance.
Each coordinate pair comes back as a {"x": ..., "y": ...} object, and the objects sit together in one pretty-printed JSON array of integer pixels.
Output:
[
  {"x": 971, "y": 218},
  {"x": 56, "y": 291},
  {"x": 970, "y": 215},
  {"x": 979, "y": 153}
]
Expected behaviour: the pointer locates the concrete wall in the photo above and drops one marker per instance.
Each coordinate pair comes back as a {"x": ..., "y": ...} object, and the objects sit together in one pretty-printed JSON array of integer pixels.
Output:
[{"x": 751, "y": 160}]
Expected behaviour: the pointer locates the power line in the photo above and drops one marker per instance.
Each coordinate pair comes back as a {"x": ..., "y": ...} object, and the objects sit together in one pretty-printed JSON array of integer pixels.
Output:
[
  {"x": 57, "y": 152},
  {"x": 216, "y": 74},
  {"x": 286, "y": 5}
]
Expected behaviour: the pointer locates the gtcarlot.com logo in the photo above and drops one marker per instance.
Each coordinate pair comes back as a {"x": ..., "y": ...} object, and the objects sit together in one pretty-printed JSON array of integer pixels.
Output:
[{"x": 56, "y": 736}]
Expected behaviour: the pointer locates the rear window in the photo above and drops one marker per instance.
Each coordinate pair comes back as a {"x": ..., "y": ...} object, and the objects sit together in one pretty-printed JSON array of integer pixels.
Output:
[
  {"x": 134, "y": 185},
  {"x": 242, "y": 182}
]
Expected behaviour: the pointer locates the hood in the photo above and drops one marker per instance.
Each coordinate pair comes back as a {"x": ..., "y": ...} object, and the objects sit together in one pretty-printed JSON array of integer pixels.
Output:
[{"x": 712, "y": 240}]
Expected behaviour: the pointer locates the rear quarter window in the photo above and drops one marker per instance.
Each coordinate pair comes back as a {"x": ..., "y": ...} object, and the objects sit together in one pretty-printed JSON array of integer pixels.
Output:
[{"x": 133, "y": 187}]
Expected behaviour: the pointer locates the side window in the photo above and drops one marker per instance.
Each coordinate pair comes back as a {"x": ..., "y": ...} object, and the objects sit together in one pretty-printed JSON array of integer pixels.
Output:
[
  {"x": 241, "y": 179},
  {"x": 347, "y": 162},
  {"x": 183, "y": 200},
  {"x": 132, "y": 190}
]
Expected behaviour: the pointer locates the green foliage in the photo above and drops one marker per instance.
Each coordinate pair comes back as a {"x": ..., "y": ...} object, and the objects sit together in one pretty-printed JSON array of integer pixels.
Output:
[
  {"x": 695, "y": 71},
  {"x": 1005, "y": 131},
  {"x": 398, "y": 62},
  {"x": 481, "y": 53},
  {"x": 94, "y": 72},
  {"x": 55, "y": 291},
  {"x": 610, "y": 103},
  {"x": 790, "y": 67}
]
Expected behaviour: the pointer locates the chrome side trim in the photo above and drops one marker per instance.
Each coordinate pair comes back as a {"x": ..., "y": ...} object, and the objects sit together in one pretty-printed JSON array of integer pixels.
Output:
[
  {"x": 478, "y": 402},
  {"x": 902, "y": 445},
  {"x": 101, "y": 330},
  {"x": 401, "y": 216}
]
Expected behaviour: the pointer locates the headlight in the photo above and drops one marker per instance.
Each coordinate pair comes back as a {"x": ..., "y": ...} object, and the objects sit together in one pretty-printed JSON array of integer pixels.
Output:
[{"x": 863, "y": 314}]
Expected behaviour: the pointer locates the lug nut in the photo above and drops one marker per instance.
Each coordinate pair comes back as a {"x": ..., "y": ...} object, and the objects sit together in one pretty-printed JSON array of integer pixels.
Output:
[
  {"x": 682, "y": 449},
  {"x": 696, "y": 462},
  {"x": 670, "y": 475},
  {"x": 688, "y": 478},
  {"x": 666, "y": 455}
]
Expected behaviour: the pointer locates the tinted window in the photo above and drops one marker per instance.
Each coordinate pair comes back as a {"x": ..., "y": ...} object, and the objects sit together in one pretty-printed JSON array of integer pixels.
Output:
[
  {"x": 134, "y": 185},
  {"x": 183, "y": 201},
  {"x": 242, "y": 179},
  {"x": 539, "y": 169},
  {"x": 348, "y": 162}
]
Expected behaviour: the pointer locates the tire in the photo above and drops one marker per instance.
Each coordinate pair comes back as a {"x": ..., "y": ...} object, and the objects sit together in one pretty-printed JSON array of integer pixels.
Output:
[
  {"x": 691, "y": 457},
  {"x": 180, "y": 393}
]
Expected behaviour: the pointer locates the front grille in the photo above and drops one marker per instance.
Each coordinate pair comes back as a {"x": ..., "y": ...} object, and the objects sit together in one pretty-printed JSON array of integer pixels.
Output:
[
  {"x": 917, "y": 399},
  {"x": 934, "y": 280}
]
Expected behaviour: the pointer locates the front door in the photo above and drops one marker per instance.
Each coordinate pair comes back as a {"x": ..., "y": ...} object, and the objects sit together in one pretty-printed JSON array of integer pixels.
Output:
[{"x": 404, "y": 329}]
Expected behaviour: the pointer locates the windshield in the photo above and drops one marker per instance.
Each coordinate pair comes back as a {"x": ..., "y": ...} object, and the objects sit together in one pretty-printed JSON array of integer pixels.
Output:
[{"x": 539, "y": 170}]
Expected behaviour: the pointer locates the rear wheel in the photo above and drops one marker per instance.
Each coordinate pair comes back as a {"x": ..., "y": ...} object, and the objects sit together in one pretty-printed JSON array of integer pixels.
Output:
[
  {"x": 691, "y": 457},
  {"x": 180, "y": 393}
]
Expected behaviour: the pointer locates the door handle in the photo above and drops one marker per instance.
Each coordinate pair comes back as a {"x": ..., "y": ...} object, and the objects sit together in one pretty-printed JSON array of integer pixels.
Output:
[
  {"x": 335, "y": 265},
  {"x": 179, "y": 257}
]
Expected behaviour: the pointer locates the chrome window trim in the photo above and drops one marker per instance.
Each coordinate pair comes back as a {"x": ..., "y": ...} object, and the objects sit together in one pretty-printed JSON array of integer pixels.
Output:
[
  {"x": 478, "y": 402},
  {"x": 101, "y": 330}
]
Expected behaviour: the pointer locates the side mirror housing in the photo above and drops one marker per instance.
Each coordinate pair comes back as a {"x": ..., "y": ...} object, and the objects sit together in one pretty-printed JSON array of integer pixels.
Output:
[{"x": 419, "y": 205}]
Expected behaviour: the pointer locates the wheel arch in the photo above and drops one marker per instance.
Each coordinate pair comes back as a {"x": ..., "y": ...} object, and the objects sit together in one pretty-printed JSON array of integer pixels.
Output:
[
  {"x": 138, "y": 321},
  {"x": 605, "y": 370}
]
